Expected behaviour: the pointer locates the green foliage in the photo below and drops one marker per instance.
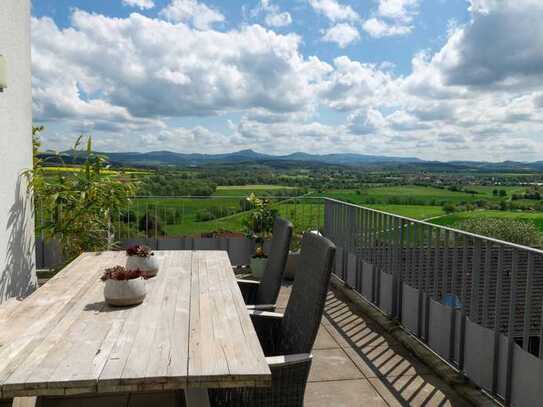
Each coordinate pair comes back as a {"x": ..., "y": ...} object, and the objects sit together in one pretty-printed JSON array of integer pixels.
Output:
[
  {"x": 449, "y": 207},
  {"x": 215, "y": 212},
  {"x": 175, "y": 184},
  {"x": 151, "y": 225},
  {"x": 78, "y": 204},
  {"x": 260, "y": 220},
  {"x": 509, "y": 230}
]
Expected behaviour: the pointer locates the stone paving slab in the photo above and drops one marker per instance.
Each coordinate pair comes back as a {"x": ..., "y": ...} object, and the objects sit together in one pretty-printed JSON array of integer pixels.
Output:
[
  {"x": 345, "y": 393},
  {"x": 356, "y": 363}
]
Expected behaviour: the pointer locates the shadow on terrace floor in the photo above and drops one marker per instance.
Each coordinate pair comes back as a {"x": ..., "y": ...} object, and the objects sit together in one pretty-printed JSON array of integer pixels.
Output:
[{"x": 357, "y": 364}]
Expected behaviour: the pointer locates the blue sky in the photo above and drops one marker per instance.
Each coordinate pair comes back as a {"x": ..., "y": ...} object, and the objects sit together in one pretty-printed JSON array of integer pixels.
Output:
[{"x": 394, "y": 77}]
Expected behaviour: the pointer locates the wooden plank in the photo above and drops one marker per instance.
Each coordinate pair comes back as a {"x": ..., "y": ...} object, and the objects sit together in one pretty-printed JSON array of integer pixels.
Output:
[
  {"x": 173, "y": 336},
  {"x": 224, "y": 349},
  {"x": 207, "y": 362},
  {"x": 248, "y": 352}
]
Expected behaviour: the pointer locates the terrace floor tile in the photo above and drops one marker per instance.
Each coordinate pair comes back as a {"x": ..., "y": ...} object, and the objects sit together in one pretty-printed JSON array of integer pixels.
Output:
[
  {"x": 342, "y": 393},
  {"x": 332, "y": 364}
]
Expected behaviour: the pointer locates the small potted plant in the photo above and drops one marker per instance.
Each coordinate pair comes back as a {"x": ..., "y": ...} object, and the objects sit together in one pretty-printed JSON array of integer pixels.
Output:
[
  {"x": 259, "y": 226},
  {"x": 259, "y": 260},
  {"x": 140, "y": 257},
  {"x": 124, "y": 287}
]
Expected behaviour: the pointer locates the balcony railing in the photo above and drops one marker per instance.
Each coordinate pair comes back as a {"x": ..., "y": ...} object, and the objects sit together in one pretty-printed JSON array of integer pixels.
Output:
[
  {"x": 186, "y": 222},
  {"x": 475, "y": 301}
]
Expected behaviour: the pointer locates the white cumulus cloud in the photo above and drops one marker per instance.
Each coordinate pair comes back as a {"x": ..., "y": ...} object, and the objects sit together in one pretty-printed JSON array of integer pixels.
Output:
[
  {"x": 343, "y": 34},
  {"x": 334, "y": 10},
  {"x": 378, "y": 28},
  {"x": 142, "y": 4},
  {"x": 392, "y": 18},
  {"x": 200, "y": 15}
]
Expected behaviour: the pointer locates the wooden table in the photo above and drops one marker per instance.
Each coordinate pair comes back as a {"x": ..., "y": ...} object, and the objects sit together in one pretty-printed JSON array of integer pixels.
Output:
[{"x": 192, "y": 331}]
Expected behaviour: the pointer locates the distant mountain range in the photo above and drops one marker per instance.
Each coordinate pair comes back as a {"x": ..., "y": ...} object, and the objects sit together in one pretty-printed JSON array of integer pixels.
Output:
[{"x": 169, "y": 158}]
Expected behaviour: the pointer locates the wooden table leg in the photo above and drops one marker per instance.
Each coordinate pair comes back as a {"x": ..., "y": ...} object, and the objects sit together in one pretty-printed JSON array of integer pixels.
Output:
[
  {"x": 19, "y": 402},
  {"x": 197, "y": 398}
]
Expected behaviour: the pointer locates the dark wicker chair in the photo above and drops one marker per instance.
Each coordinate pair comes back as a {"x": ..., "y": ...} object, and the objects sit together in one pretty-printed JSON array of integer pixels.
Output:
[
  {"x": 263, "y": 294},
  {"x": 287, "y": 339}
]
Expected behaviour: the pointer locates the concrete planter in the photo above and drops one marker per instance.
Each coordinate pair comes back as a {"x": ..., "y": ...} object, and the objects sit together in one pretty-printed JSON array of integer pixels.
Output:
[
  {"x": 258, "y": 265},
  {"x": 292, "y": 265},
  {"x": 149, "y": 265},
  {"x": 122, "y": 293}
]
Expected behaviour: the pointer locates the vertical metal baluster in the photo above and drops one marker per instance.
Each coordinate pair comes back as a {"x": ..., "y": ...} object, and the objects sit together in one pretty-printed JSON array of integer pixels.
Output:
[
  {"x": 418, "y": 230},
  {"x": 147, "y": 220},
  {"x": 450, "y": 240},
  {"x": 475, "y": 281},
  {"x": 528, "y": 302},
  {"x": 379, "y": 262},
  {"x": 436, "y": 273},
  {"x": 445, "y": 262},
  {"x": 408, "y": 256},
  {"x": 463, "y": 313},
  {"x": 400, "y": 265},
  {"x": 156, "y": 223},
  {"x": 455, "y": 289},
  {"x": 511, "y": 327},
  {"x": 486, "y": 285},
  {"x": 497, "y": 318},
  {"x": 372, "y": 237},
  {"x": 427, "y": 294}
]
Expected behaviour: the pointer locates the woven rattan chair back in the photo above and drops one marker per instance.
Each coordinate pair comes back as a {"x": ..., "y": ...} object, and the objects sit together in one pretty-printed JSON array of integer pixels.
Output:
[
  {"x": 306, "y": 303},
  {"x": 277, "y": 261}
]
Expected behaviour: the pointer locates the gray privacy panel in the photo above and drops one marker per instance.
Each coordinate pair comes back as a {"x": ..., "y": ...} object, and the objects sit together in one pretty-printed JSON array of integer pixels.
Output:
[
  {"x": 410, "y": 308},
  {"x": 367, "y": 281},
  {"x": 457, "y": 335},
  {"x": 386, "y": 293},
  {"x": 206, "y": 243},
  {"x": 339, "y": 263},
  {"x": 527, "y": 379},
  {"x": 440, "y": 330},
  {"x": 502, "y": 365},
  {"x": 479, "y": 354},
  {"x": 170, "y": 244},
  {"x": 350, "y": 278}
]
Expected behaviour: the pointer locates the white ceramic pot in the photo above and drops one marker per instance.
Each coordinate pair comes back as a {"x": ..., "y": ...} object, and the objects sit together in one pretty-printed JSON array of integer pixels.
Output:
[
  {"x": 124, "y": 293},
  {"x": 258, "y": 265},
  {"x": 149, "y": 265}
]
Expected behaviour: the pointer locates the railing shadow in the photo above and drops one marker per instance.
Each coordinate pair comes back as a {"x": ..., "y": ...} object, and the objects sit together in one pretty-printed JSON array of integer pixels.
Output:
[{"x": 377, "y": 351}]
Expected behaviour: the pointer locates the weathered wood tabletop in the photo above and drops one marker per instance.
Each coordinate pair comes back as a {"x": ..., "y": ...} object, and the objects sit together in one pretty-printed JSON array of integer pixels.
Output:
[{"x": 192, "y": 331}]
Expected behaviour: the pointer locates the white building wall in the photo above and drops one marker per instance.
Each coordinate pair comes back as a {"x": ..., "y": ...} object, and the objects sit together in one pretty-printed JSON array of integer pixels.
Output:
[{"x": 17, "y": 254}]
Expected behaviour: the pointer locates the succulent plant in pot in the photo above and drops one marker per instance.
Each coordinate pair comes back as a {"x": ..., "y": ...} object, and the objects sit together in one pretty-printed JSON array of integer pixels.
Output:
[
  {"x": 259, "y": 225},
  {"x": 140, "y": 257},
  {"x": 259, "y": 259},
  {"x": 124, "y": 287}
]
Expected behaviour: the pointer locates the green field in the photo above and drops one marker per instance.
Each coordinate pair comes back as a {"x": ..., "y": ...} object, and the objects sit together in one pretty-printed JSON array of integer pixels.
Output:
[
  {"x": 245, "y": 190},
  {"x": 420, "y": 212},
  {"x": 251, "y": 188},
  {"x": 61, "y": 169},
  {"x": 405, "y": 195},
  {"x": 449, "y": 220}
]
